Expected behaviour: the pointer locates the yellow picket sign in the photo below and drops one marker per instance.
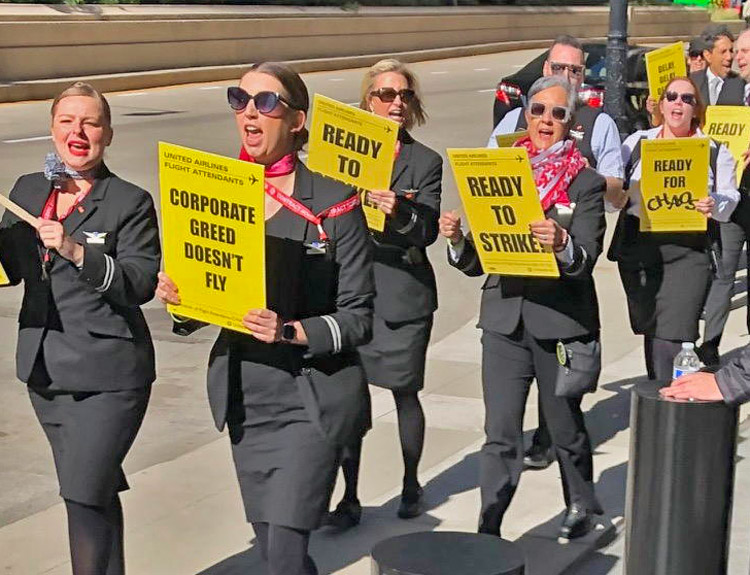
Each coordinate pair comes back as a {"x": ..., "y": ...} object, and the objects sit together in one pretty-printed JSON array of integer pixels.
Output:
[
  {"x": 213, "y": 234},
  {"x": 374, "y": 217},
  {"x": 664, "y": 64},
  {"x": 4, "y": 280},
  {"x": 500, "y": 199},
  {"x": 730, "y": 125},
  {"x": 674, "y": 176},
  {"x": 354, "y": 147},
  {"x": 507, "y": 140}
]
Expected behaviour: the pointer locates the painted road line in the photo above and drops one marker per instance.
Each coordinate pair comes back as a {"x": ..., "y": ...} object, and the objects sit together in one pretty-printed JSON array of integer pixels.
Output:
[{"x": 31, "y": 139}]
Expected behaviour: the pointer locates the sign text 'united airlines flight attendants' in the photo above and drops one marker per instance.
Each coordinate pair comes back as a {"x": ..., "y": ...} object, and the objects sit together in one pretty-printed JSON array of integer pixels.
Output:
[
  {"x": 355, "y": 147},
  {"x": 213, "y": 234}
]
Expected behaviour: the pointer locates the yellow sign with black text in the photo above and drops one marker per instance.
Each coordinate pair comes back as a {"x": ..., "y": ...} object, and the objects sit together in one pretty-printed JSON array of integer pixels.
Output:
[
  {"x": 500, "y": 199},
  {"x": 374, "y": 217},
  {"x": 213, "y": 228},
  {"x": 674, "y": 176},
  {"x": 4, "y": 280},
  {"x": 507, "y": 140},
  {"x": 664, "y": 64},
  {"x": 353, "y": 146},
  {"x": 730, "y": 125}
]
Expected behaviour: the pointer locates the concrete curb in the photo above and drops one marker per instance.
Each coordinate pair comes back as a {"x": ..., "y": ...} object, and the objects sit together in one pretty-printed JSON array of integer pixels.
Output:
[{"x": 47, "y": 89}]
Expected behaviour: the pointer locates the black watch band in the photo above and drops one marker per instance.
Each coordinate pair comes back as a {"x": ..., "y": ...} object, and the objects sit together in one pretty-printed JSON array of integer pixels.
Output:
[{"x": 288, "y": 332}]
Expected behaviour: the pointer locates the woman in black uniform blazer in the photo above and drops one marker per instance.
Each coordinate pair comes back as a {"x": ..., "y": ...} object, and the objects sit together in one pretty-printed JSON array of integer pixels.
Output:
[
  {"x": 292, "y": 393},
  {"x": 523, "y": 320},
  {"x": 405, "y": 283},
  {"x": 83, "y": 345}
]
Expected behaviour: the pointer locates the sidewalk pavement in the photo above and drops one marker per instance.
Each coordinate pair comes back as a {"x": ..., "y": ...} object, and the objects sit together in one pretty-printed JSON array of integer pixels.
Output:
[{"x": 184, "y": 516}]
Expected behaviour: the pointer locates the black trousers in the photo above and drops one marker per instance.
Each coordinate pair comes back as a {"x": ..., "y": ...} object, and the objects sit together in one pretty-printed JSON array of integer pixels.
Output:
[{"x": 509, "y": 364}]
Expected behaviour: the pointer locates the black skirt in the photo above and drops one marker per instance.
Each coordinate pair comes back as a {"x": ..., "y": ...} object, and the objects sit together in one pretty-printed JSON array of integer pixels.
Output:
[
  {"x": 90, "y": 435},
  {"x": 285, "y": 466},
  {"x": 666, "y": 295},
  {"x": 395, "y": 358}
]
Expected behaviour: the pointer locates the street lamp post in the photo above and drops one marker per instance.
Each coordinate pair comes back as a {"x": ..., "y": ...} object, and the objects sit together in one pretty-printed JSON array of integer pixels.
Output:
[{"x": 617, "y": 53}]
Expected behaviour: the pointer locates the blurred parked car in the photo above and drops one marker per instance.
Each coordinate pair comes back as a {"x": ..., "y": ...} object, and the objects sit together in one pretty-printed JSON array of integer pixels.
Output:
[{"x": 511, "y": 91}]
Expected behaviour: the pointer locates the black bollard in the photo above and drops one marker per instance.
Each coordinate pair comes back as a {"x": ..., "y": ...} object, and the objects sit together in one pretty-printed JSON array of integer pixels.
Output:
[
  {"x": 447, "y": 553},
  {"x": 680, "y": 482}
]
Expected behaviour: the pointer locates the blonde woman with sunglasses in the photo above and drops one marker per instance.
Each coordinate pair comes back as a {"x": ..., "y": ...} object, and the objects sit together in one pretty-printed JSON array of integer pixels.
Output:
[
  {"x": 406, "y": 294},
  {"x": 666, "y": 275}
]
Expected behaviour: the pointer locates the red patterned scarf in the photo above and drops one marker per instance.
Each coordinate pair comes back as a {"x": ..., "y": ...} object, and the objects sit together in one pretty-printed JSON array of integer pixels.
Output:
[
  {"x": 554, "y": 169},
  {"x": 283, "y": 167}
]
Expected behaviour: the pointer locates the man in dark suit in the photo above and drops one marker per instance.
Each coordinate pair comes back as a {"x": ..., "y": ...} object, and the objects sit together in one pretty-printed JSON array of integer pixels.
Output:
[
  {"x": 716, "y": 83},
  {"x": 733, "y": 235}
]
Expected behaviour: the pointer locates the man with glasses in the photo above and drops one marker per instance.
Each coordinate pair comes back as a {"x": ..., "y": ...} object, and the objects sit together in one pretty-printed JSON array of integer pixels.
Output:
[
  {"x": 735, "y": 91},
  {"x": 598, "y": 140}
]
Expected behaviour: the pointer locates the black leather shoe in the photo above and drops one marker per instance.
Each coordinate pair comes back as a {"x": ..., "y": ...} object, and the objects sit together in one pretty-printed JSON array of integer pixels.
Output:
[
  {"x": 346, "y": 515},
  {"x": 577, "y": 522},
  {"x": 411, "y": 504},
  {"x": 538, "y": 458}
]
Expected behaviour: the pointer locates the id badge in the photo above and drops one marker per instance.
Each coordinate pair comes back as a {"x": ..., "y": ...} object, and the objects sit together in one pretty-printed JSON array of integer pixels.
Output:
[{"x": 316, "y": 248}]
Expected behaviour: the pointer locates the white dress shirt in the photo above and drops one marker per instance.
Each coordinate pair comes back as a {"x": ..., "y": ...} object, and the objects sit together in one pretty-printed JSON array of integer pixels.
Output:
[{"x": 725, "y": 193}]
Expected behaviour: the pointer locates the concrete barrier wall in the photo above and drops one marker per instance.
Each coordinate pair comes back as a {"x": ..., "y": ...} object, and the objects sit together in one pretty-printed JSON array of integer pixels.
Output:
[{"x": 128, "y": 47}]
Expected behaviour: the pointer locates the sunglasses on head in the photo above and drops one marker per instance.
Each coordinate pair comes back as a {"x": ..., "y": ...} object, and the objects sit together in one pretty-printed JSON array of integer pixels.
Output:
[
  {"x": 686, "y": 98},
  {"x": 559, "y": 68},
  {"x": 265, "y": 102},
  {"x": 558, "y": 113},
  {"x": 388, "y": 95}
]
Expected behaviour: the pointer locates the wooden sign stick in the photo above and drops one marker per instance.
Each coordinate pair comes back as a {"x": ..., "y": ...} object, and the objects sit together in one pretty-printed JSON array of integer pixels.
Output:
[{"x": 19, "y": 211}]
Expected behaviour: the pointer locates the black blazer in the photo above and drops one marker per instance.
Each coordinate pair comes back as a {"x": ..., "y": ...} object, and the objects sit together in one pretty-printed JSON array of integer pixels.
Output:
[
  {"x": 550, "y": 308},
  {"x": 732, "y": 90},
  {"x": 335, "y": 308},
  {"x": 404, "y": 278},
  {"x": 88, "y": 322}
]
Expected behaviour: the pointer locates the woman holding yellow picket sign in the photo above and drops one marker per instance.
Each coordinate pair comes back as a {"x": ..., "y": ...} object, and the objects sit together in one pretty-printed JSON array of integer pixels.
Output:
[
  {"x": 292, "y": 392},
  {"x": 666, "y": 274},
  {"x": 406, "y": 294}
]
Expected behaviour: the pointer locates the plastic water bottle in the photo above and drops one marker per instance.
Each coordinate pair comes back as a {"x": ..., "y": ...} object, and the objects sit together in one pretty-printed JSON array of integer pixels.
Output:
[{"x": 686, "y": 361}]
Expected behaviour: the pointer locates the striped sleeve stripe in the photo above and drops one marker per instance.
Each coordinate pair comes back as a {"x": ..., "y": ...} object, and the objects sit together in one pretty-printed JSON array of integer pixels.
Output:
[
  {"x": 335, "y": 332},
  {"x": 410, "y": 225},
  {"x": 109, "y": 274}
]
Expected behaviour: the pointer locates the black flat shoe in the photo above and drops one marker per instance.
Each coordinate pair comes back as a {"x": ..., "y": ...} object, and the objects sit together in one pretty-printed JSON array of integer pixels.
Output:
[
  {"x": 536, "y": 458},
  {"x": 577, "y": 523},
  {"x": 411, "y": 505},
  {"x": 346, "y": 515}
]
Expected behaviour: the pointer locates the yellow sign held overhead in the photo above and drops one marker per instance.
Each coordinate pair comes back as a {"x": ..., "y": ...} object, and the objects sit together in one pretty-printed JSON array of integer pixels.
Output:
[
  {"x": 674, "y": 176},
  {"x": 730, "y": 125},
  {"x": 213, "y": 234},
  {"x": 507, "y": 140},
  {"x": 354, "y": 147},
  {"x": 500, "y": 199},
  {"x": 664, "y": 64}
]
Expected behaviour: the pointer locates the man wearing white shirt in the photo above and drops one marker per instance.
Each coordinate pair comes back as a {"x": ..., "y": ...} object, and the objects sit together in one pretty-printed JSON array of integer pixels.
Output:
[{"x": 716, "y": 84}]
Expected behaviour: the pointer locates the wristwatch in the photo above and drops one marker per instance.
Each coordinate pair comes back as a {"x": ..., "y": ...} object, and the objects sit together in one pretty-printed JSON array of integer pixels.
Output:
[{"x": 288, "y": 332}]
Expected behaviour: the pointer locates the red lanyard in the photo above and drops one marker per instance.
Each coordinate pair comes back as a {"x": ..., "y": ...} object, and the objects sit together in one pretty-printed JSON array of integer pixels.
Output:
[
  {"x": 49, "y": 212},
  {"x": 286, "y": 166},
  {"x": 303, "y": 211}
]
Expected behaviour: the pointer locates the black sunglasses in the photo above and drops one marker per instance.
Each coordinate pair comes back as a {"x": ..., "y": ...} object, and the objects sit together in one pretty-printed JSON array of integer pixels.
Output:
[
  {"x": 388, "y": 95},
  {"x": 559, "y": 68},
  {"x": 688, "y": 99},
  {"x": 265, "y": 102},
  {"x": 559, "y": 113}
]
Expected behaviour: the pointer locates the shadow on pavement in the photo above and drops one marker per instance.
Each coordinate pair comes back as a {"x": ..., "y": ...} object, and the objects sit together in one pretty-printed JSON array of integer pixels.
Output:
[{"x": 545, "y": 556}]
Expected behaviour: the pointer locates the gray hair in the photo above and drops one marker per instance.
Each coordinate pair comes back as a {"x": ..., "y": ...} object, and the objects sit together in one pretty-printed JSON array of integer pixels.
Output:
[{"x": 547, "y": 82}]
